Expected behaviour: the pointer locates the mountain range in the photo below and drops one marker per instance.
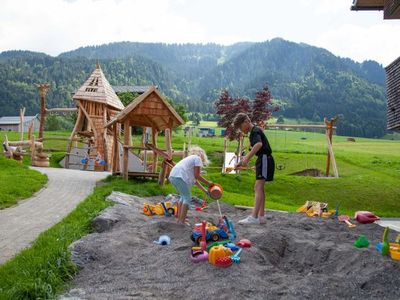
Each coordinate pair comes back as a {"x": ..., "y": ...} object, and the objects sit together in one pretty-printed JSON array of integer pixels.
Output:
[{"x": 307, "y": 82}]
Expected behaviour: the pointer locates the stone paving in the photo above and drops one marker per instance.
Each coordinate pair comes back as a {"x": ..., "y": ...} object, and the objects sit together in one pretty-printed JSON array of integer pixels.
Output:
[{"x": 20, "y": 225}]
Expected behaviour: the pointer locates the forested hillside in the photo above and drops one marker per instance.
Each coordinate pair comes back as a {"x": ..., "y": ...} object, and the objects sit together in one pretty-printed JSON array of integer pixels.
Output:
[{"x": 308, "y": 82}]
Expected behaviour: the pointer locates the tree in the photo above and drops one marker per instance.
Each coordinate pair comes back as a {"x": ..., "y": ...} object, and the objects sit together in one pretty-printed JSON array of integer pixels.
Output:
[
  {"x": 127, "y": 97},
  {"x": 280, "y": 120},
  {"x": 262, "y": 108}
]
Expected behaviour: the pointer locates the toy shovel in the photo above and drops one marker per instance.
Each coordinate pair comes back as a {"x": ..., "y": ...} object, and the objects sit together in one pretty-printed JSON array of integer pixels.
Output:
[
  {"x": 236, "y": 257},
  {"x": 344, "y": 218}
]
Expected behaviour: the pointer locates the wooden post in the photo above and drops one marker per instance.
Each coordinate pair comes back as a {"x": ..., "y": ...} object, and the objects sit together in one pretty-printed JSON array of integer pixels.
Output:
[
  {"x": 239, "y": 154},
  {"x": 127, "y": 142},
  {"x": 21, "y": 120},
  {"x": 154, "y": 135},
  {"x": 168, "y": 142},
  {"x": 115, "y": 161},
  {"x": 32, "y": 146},
  {"x": 329, "y": 134},
  {"x": 225, "y": 149},
  {"x": 43, "y": 88},
  {"x": 163, "y": 173}
]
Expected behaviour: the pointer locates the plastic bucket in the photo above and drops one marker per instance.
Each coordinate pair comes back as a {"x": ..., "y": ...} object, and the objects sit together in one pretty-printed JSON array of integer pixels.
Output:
[{"x": 215, "y": 191}]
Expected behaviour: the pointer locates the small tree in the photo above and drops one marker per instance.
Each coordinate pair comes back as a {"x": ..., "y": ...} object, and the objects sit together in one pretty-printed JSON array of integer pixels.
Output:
[{"x": 262, "y": 108}]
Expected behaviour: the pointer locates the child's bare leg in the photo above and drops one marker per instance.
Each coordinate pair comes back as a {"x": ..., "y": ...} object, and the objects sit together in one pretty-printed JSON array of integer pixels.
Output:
[
  {"x": 259, "y": 197},
  {"x": 183, "y": 213},
  {"x": 179, "y": 208}
]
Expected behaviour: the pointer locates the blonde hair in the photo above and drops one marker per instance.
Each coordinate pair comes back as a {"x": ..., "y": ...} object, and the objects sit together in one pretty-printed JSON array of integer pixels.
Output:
[{"x": 196, "y": 150}]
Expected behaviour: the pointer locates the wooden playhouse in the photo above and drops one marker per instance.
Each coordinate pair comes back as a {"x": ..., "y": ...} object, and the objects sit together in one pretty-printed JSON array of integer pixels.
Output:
[{"x": 154, "y": 114}]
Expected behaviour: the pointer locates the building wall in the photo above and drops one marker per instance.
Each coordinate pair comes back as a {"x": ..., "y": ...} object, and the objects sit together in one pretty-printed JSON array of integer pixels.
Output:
[
  {"x": 393, "y": 94},
  {"x": 10, "y": 127}
]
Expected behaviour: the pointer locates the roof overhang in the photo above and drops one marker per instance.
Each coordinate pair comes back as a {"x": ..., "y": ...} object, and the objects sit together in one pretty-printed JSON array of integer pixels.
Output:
[{"x": 367, "y": 5}]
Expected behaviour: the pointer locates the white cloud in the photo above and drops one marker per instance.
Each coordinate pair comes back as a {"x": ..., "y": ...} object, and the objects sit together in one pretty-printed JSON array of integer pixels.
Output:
[
  {"x": 375, "y": 42},
  {"x": 54, "y": 26}
]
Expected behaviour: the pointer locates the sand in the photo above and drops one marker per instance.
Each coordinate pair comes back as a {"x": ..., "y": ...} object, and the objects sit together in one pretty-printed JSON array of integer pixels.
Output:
[{"x": 292, "y": 257}]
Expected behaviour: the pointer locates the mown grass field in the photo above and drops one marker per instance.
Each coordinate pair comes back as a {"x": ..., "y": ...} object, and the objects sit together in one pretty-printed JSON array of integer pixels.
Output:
[
  {"x": 17, "y": 182},
  {"x": 369, "y": 175},
  {"x": 369, "y": 171}
]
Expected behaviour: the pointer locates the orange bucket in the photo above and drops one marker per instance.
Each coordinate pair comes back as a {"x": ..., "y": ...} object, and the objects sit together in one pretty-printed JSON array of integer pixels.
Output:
[{"x": 215, "y": 191}]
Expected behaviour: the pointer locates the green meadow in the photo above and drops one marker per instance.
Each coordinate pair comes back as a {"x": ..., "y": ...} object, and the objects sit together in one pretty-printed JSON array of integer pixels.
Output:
[
  {"x": 369, "y": 170},
  {"x": 369, "y": 175}
]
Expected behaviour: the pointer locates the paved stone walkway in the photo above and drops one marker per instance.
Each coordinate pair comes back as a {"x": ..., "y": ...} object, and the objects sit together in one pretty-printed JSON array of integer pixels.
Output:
[{"x": 21, "y": 224}]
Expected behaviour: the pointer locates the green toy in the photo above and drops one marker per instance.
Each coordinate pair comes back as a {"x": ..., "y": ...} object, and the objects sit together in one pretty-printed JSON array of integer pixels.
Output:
[
  {"x": 385, "y": 243},
  {"x": 217, "y": 244},
  {"x": 361, "y": 242}
]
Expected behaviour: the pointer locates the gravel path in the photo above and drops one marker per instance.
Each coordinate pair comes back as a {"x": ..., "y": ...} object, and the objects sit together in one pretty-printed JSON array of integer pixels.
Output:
[{"x": 21, "y": 224}]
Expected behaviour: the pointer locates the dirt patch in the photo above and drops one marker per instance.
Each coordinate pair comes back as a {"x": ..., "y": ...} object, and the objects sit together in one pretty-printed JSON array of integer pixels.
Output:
[
  {"x": 310, "y": 172},
  {"x": 293, "y": 257}
]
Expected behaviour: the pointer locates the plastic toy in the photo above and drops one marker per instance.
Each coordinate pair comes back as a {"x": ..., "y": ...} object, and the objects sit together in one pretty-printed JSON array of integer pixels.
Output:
[
  {"x": 213, "y": 233},
  {"x": 223, "y": 262},
  {"x": 346, "y": 219},
  {"x": 223, "y": 243},
  {"x": 203, "y": 206},
  {"x": 232, "y": 246},
  {"x": 231, "y": 229},
  {"x": 163, "y": 240},
  {"x": 365, "y": 217},
  {"x": 394, "y": 249},
  {"x": 215, "y": 191},
  {"x": 361, "y": 242},
  {"x": 236, "y": 257},
  {"x": 244, "y": 243},
  {"x": 218, "y": 251},
  {"x": 385, "y": 243},
  {"x": 164, "y": 208}
]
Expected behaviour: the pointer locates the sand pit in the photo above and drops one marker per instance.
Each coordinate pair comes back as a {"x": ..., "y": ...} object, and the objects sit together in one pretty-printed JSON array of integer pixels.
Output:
[{"x": 293, "y": 257}]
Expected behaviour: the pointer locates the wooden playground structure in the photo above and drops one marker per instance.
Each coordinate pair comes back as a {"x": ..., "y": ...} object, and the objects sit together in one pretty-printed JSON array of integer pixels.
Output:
[
  {"x": 154, "y": 114},
  {"x": 232, "y": 158},
  {"x": 96, "y": 104}
]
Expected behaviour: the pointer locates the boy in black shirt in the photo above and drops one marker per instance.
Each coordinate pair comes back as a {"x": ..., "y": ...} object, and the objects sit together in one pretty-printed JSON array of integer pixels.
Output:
[{"x": 265, "y": 165}]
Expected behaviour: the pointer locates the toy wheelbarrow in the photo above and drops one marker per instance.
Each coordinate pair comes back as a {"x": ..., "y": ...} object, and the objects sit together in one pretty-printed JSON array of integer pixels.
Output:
[{"x": 346, "y": 219}]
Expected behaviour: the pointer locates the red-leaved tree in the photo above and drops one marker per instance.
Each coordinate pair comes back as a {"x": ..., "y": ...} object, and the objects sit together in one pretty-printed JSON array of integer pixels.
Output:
[
  {"x": 262, "y": 108},
  {"x": 259, "y": 110}
]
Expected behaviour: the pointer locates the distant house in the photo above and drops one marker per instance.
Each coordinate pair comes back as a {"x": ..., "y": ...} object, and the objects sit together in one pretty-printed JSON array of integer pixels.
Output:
[
  {"x": 206, "y": 131},
  {"x": 13, "y": 123}
]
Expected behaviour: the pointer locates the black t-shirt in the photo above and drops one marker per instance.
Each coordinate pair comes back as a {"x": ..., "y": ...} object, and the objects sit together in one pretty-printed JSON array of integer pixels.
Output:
[{"x": 257, "y": 135}]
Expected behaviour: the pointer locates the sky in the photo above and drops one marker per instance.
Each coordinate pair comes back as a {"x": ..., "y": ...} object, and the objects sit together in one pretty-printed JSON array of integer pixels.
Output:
[{"x": 56, "y": 26}]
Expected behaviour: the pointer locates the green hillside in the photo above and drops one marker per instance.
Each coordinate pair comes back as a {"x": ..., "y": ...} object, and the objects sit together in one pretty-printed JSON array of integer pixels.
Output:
[{"x": 307, "y": 82}]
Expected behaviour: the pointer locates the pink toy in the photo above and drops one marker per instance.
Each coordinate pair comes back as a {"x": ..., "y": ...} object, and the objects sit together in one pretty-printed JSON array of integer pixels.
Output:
[
  {"x": 199, "y": 254},
  {"x": 365, "y": 217}
]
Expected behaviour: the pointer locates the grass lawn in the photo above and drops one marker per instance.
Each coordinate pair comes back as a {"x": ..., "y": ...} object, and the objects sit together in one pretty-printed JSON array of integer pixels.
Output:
[
  {"x": 17, "y": 182},
  {"x": 369, "y": 175},
  {"x": 41, "y": 271}
]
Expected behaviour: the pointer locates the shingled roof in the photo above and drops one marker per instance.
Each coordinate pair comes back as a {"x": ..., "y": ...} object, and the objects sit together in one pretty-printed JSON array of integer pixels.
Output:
[
  {"x": 149, "y": 110},
  {"x": 98, "y": 89}
]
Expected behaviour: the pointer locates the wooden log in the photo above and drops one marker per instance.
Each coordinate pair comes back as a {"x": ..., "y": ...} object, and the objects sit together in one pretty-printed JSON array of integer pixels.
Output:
[
  {"x": 21, "y": 122},
  {"x": 127, "y": 142},
  {"x": 168, "y": 142},
  {"x": 62, "y": 110}
]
